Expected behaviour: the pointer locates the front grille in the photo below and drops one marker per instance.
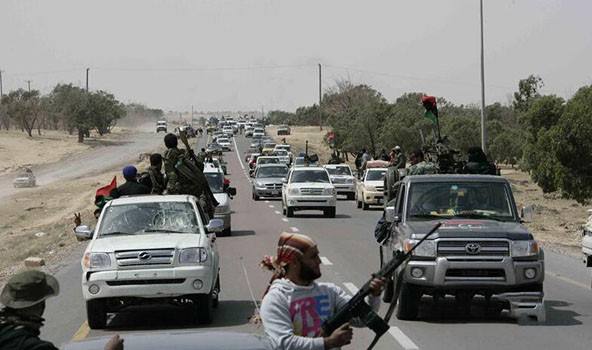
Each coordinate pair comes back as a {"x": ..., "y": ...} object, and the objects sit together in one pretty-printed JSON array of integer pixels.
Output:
[
  {"x": 311, "y": 191},
  {"x": 273, "y": 186},
  {"x": 379, "y": 188},
  {"x": 145, "y": 282},
  {"x": 475, "y": 275},
  {"x": 338, "y": 180},
  {"x": 463, "y": 248},
  {"x": 144, "y": 257}
]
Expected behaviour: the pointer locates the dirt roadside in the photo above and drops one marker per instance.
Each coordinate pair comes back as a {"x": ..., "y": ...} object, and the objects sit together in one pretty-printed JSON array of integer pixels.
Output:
[
  {"x": 39, "y": 221},
  {"x": 557, "y": 222}
]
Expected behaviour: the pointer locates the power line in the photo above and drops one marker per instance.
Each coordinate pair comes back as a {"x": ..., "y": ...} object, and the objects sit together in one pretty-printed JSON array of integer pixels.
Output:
[{"x": 198, "y": 69}]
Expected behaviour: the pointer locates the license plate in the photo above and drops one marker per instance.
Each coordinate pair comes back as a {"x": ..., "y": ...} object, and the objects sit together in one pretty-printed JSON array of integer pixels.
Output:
[{"x": 275, "y": 193}]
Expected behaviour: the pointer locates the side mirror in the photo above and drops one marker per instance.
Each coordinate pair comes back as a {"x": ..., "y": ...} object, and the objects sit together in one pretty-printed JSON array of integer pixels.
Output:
[
  {"x": 215, "y": 226},
  {"x": 231, "y": 191},
  {"x": 389, "y": 214},
  {"x": 285, "y": 180},
  {"x": 83, "y": 233},
  {"x": 527, "y": 213}
]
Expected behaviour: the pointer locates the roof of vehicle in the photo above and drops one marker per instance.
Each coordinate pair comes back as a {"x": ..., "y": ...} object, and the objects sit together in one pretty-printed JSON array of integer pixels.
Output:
[
  {"x": 377, "y": 169},
  {"x": 333, "y": 166},
  {"x": 150, "y": 199},
  {"x": 309, "y": 168},
  {"x": 273, "y": 165},
  {"x": 210, "y": 168},
  {"x": 454, "y": 177}
]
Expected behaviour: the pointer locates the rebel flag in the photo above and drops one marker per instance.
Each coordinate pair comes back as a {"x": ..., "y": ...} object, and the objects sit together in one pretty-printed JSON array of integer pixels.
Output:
[
  {"x": 429, "y": 103},
  {"x": 103, "y": 194}
]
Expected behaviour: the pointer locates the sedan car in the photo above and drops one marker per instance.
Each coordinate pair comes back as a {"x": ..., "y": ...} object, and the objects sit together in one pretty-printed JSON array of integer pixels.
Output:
[
  {"x": 268, "y": 180},
  {"x": 223, "y": 195},
  {"x": 25, "y": 178},
  {"x": 224, "y": 143}
]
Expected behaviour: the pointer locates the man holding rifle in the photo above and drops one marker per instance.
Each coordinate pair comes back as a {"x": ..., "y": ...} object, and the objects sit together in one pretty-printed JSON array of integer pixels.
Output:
[{"x": 295, "y": 306}]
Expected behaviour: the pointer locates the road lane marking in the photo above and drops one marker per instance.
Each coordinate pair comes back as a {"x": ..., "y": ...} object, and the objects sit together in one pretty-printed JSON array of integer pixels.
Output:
[
  {"x": 351, "y": 287},
  {"x": 567, "y": 279},
  {"x": 294, "y": 229},
  {"x": 402, "y": 339},
  {"x": 271, "y": 206},
  {"x": 277, "y": 212},
  {"x": 326, "y": 261},
  {"x": 284, "y": 220},
  {"x": 266, "y": 201},
  {"x": 240, "y": 161},
  {"x": 82, "y": 332}
]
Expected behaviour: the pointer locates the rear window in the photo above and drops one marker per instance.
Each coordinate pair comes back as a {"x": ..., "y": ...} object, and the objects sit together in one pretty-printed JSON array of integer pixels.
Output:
[{"x": 340, "y": 170}]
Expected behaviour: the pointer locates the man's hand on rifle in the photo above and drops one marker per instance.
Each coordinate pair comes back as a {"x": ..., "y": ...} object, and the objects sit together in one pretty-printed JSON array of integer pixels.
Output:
[
  {"x": 340, "y": 337},
  {"x": 377, "y": 285}
]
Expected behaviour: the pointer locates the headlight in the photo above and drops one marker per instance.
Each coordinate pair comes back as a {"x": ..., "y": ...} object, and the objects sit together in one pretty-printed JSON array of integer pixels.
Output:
[
  {"x": 193, "y": 256},
  {"x": 349, "y": 181},
  {"x": 525, "y": 248},
  {"x": 426, "y": 248},
  {"x": 259, "y": 184},
  {"x": 96, "y": 260},
  {"x": 294, "y": 191},
  {"x": 330, "y": 190}
]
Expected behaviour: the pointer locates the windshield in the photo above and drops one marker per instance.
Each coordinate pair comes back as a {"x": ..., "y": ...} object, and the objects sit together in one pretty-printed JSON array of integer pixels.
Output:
[
  {"x": 340, "y": 170},
  {"x": 262, "y": 160},
  {"x": 216, "y": 182},
  {"x": 145, "y": 218},
  {"x": 299, "y": 176},
  {"x": 488, "y": 200},
  {"x": 375, "y": 175},
  {"x": 273, "y": 171}
]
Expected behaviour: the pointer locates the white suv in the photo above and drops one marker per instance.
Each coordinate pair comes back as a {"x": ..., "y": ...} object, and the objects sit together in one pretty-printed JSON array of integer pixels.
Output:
[
  {"x": 370, "y": 189},
  {"x": 223, "y": 194},
  {"x": 342, "y": 178},
  {"x": 150, "y": 249},
  {"x": 308, "y": 188}
]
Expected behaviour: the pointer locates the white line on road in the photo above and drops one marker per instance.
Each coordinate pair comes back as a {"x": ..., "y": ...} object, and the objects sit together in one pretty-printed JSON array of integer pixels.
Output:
[
  {"x": 351, "y": 287},
  {"x": 294, "y": 229},
  {"x": 566, "y": 279},
  {"x": 284, "y": 220},
  {"x": 240, "y": 161},
  {"x": 277, "y": 212},
  {"x": 326, "y": 261},
  {"x": 402, "y": 339},
  {"x": 266, "y": 201},
  {"x": 271, "y": 206}
]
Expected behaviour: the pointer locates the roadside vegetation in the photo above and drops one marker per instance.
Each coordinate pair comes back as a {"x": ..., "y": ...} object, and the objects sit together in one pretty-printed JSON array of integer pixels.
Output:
[{"x": 546, "y": 136}]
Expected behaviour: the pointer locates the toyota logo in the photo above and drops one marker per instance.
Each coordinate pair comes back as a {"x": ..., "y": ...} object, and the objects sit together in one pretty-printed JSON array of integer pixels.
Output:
[
  {"x": 473, "y": 248},
  {"x": 144, "y": 256}
]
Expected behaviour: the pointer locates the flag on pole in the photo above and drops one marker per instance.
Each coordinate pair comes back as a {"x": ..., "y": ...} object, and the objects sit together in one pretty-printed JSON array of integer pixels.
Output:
[{"x": 429, "y": 102}]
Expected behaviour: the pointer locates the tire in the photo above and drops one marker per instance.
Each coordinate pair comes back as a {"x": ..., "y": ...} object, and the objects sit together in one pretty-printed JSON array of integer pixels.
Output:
[
  {"x": 289, "y": 212},
  {"x": 216, "y": 295},
  {"x": 389, "y": 289},
  {"x": 96, "y": 313},
  {"x": 408, "y": 305},
  {"x": 255, "y": 197},
  {"x": 204, "y": 307},
  {"x": 359, "y": 204},
  {"x": 329, "y": 212},
  {"x": 365, "y": 206},
  {"x": 227, "y": 232}
]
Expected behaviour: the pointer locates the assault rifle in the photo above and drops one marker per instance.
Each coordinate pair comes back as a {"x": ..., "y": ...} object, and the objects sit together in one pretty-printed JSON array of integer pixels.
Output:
[{"x": 357, "y": 306}]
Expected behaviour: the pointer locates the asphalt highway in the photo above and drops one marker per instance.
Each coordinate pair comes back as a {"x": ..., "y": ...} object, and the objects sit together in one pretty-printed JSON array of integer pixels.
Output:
[{"x": 349, "y": 254}]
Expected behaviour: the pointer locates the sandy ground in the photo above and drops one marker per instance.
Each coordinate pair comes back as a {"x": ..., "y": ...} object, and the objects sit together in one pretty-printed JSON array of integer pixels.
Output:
[{"x": 557, "y": 222}]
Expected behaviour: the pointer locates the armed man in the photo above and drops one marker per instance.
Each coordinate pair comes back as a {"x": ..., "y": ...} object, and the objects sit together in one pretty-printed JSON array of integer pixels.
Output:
[
  {"x": 21, "y": 316},
  {"x": 184, "y": 175},
  {"x": 295, "y": 306},
  {"x": 419, "y": 166},
  {"x": 157, "y": 180}
]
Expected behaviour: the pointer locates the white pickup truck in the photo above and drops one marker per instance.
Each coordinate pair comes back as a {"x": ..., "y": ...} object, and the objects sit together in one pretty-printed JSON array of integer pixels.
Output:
[
  {"x": 587, "y": 240},
  {"x": 308, "y": 188},
  {"x": 150, "y": 250}
]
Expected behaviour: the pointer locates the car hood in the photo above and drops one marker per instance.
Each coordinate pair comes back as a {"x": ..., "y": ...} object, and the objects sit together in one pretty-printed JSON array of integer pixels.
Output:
[
  {"x": 270, "y": 180},
  {"x": 374, "y": 183},
  {"x": 311, "y": 185},
  {"x": 467, "y": 228},
  {"x": 109, "y": 244},
  {"x": 222, "y": 199}
]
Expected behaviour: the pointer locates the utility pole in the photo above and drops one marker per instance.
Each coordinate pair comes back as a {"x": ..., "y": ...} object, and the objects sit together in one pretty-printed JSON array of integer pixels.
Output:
[
  {"x": 28, "y": 85},
  {"x": 87, "y": 69},
  {"x": 320, "y": 98},
  {"x": 262, "y": 113},
  {"x": 1, "y": 91},
  {"x": 483, "y": 129}
]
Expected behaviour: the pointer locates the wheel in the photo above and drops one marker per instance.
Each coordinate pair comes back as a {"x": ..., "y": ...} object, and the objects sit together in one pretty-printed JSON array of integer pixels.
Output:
[
  {"x": 96, "y": 313},
  {"x": 365, "y": 206},
  {"x": 216, "y": 293},
  {"x": 408, "y": 305},
  {"x": 226, "y": 232},
  {"x": 289, "y": 212},
  {"x": 255, "y": 197},
  {"x": 350, "y": 196},
  {"x": 329, "y": 212},
  {"x": 359, "y": 204},
  {"x": 389, "y": 289},
  {"x": 204, "y": 307}
]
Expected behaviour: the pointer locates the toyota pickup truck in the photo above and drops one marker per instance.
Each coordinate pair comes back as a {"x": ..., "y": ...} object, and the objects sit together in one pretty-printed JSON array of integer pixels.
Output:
[{"x": 482, "y": 248}]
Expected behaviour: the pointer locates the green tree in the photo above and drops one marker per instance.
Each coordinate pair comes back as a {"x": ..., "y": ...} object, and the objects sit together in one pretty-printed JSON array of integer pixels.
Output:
[
  {"x": 71, "y": 103},
  {"x": 24, "y": 108},
  {"x": 528, "y": 90},
  {"x": 543, "y": 113},
  {"x": 104, "y": 111}
]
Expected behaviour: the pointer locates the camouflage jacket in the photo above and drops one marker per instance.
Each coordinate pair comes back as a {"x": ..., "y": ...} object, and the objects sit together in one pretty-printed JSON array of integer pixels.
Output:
[
  {"x": 422, "y": 168},
  {"x": 157, "y": 180}
]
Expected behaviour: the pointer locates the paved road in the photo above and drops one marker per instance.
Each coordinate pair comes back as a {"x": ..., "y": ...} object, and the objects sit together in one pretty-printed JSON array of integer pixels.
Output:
[{"x": 349, "y": 256}]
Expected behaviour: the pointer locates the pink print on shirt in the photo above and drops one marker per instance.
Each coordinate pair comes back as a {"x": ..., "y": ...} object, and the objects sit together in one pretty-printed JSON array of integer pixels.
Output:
[{"x": 308, "y": 315}]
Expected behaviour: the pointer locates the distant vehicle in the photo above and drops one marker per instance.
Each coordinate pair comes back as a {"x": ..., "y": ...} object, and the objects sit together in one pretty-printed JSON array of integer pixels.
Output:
[
  {"x": 223, "y": 195},
  {"x": 179, "y": 340},
  {"x": 268, "y": 180},
  {"x": 253, "y": 160},
  {"x": 299, "y": 162},
  {"x": 370, "y": 188},
  {"x": 224, "y": 142},
  {"x": 25, "y": 178},
  {"x": 268, "y": 148},
  {"x": 342, "y": 178},
  {"x": 161, "y": 125},
  {"x": 587, "y": 241},
  {"x": 258, "y": 135},
  {"x": 284, "y": 156},
  {"x": 228, "y": 130},
  {"x": 214, "y": 149},
  {"x": 283, "y": 130},
  {"x": 150, "y": 250},
  {"x": 308, "y": 188}
]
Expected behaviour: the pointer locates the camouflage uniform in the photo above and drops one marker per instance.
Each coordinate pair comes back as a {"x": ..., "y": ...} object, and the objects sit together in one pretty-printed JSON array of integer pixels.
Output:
[
  {"x": 157, "y": 180},
  {"x": 422, "y": 168},
  {"x": 185, "y": 177}
]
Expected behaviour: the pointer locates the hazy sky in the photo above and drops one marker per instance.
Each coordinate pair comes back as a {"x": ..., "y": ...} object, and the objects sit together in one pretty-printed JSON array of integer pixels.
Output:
[{"x": 227, "y": 55}]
